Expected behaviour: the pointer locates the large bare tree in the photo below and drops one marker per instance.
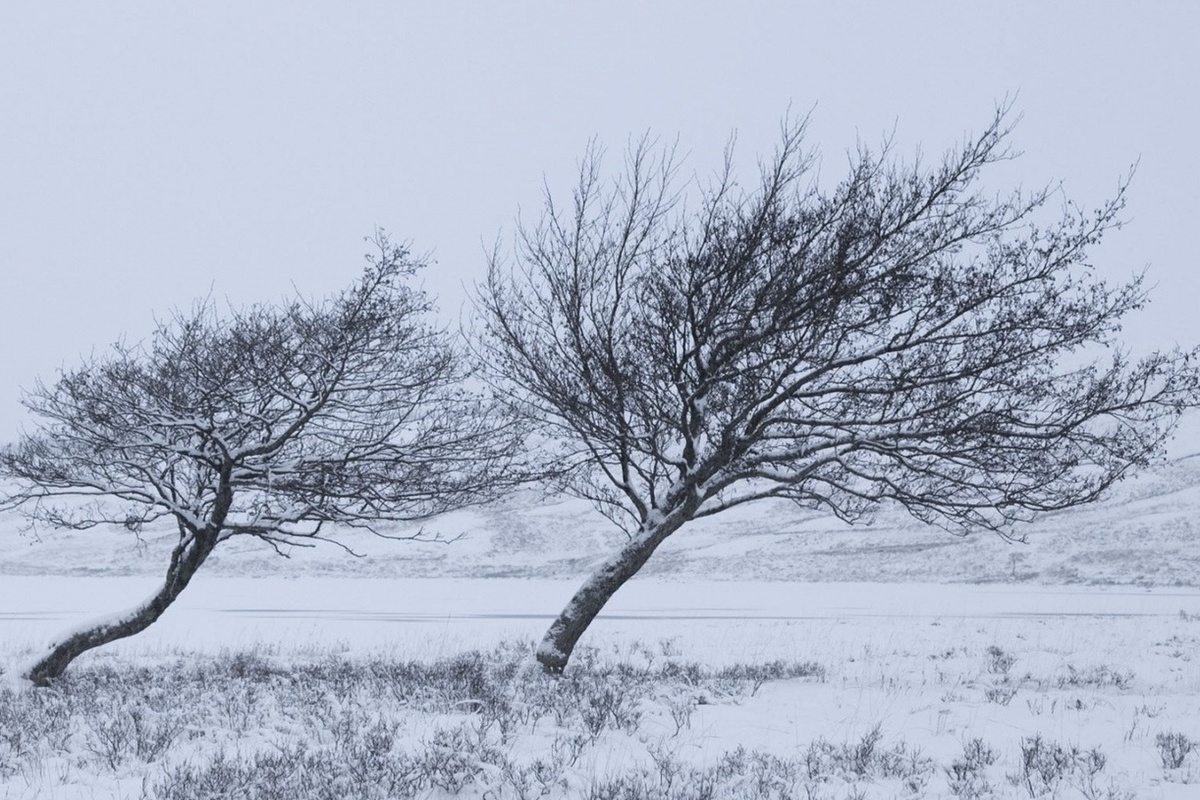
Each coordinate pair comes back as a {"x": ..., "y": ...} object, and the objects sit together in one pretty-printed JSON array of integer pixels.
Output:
[
  {"x": 272, "y": 422},
  {"x": 903, "y": 337}
]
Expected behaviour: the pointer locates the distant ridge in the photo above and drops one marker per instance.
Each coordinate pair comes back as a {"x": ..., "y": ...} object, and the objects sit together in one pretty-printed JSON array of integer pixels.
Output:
[{"x": 1146, "y": 532}]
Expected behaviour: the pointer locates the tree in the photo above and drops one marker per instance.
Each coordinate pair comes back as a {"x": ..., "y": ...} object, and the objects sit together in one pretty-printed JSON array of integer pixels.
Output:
[
  {"x": 273, "y": 422},
  {"x": 902, "y": 337}
]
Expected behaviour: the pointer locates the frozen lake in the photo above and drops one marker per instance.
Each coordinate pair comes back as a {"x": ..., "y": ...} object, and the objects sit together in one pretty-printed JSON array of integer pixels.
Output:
[{"x": 417, "y": 615}]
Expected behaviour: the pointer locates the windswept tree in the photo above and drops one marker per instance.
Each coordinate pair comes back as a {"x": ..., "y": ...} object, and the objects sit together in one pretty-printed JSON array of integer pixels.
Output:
[
  {"x": 273, "y": 422},
  {"x": 902, "y": 337}
]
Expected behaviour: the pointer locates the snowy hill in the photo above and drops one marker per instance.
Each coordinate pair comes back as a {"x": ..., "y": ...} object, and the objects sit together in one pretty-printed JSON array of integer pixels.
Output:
[{"x": 1145, "y": 532}]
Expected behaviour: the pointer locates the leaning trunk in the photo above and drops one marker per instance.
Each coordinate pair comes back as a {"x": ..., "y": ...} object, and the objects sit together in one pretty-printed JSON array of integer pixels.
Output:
[
  {"x": 185, "y": 561},
  {"x": 560, "y": 640}
]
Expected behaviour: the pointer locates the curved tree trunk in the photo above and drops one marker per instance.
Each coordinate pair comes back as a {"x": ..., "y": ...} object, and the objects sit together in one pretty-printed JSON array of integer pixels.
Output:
[
  {"x": 560, "y": 640},
  {"x": 185, "y": 560}
]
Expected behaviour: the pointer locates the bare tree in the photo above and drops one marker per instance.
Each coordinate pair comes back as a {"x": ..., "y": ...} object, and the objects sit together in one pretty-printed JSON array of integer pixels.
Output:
[
  {"x": 902, "y": 337},
  {"x": 272, "y": 422}
]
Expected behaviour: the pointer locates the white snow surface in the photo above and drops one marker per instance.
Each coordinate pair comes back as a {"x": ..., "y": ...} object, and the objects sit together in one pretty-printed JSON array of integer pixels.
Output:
[
  {"x": 1107, "y": 667},
  {"x": 901, "y": 616},
  {"x": 726, "y": 621}
]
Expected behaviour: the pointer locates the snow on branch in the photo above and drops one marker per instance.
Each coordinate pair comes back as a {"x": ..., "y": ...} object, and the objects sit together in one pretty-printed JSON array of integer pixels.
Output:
[
  {"x": 271, "y": 421},
  {"x": 903, "y": 336}
]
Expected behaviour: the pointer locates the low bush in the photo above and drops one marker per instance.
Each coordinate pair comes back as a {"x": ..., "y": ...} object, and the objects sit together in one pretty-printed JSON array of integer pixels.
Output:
[
  {"x": 1174, "y": 748},
  {"x": 1045, "y": 764},
  {"x": 966, "y": 777},
  {"x": 253, "y": 724}
]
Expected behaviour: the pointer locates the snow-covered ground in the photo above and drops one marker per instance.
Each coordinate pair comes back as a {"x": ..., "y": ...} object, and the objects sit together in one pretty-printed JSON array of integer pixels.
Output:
[
  {"x": 1082, "y": 642},
  {"x": 932, "y": 667}
]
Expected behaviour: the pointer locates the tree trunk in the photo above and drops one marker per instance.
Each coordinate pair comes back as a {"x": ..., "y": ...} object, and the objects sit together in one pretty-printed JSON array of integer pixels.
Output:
[
  {"x": 186, "y": 559},
  {"x": 560, "y": 640}
]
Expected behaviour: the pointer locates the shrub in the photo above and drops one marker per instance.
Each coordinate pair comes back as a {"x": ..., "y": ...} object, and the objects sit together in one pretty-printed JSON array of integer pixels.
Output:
[
  {"x": 999, "y": 662},
  {"x": 1173, "y": 749},
  {"x": 967, "y": 776},
  {"x": 1045, "y": 764}
]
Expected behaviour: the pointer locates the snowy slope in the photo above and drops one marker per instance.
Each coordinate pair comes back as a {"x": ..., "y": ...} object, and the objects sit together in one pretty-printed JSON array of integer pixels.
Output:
[{"x": 1144, "y": 532}]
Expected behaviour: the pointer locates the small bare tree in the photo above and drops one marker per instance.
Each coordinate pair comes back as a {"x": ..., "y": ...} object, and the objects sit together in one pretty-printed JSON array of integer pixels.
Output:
[
  {"x": 272, "y": 422},
  {"x": 902, "y": 337}
]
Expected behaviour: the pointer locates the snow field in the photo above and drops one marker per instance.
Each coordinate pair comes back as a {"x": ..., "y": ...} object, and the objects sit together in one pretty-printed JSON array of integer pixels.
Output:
[
  {"x": 952, "y": 668},
  {"x": 873, "y": 692}
]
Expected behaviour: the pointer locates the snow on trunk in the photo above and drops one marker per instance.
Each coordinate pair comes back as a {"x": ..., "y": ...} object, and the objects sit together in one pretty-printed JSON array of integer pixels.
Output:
[
  {"x": 109, "y": 628},
  {"x": 564, "y": 633}
]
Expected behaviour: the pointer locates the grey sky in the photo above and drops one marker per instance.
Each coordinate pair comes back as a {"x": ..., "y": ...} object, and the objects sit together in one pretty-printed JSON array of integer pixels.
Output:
[{"x": 152, "y": 152}]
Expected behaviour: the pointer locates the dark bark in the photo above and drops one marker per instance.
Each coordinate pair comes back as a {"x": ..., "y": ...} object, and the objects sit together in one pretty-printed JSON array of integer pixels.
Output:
[
  {"x": 559, "y": 642},
  {"x": 185, "y": 561}
]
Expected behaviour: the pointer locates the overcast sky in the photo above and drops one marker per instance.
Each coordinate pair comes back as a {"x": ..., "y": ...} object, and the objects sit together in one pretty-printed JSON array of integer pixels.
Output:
[{"x": 152, "y": 152}]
